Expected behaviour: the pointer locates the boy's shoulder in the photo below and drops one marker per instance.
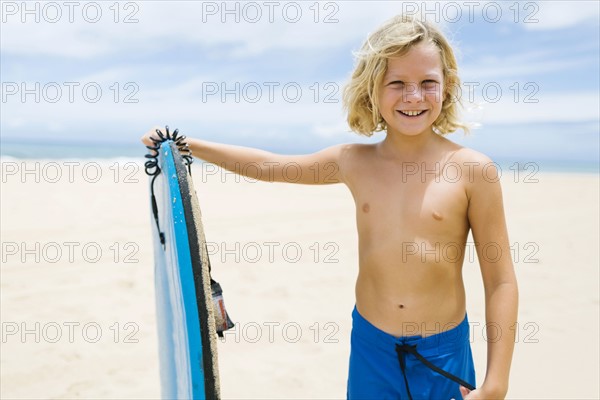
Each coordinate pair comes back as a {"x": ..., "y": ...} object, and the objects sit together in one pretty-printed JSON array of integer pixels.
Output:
[
  {"x": 471, "y": 156},
  {"x": 473, "y": 163},
  {"x": 348, "y": 150},
  {"x": 464, "y": 154},
  {"x": 478, "y": 169}
]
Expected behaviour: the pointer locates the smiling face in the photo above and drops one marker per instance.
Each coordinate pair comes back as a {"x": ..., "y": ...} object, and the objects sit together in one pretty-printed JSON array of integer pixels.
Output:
[{"x": 411, "y": 92}]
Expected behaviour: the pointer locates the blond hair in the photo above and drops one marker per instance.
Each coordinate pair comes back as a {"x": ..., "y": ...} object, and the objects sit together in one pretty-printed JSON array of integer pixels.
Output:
[{"x": 393, "y": 39}]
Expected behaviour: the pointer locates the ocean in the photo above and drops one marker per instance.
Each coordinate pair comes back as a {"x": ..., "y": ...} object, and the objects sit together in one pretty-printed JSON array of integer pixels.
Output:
[{"x": 63, "y": 150}]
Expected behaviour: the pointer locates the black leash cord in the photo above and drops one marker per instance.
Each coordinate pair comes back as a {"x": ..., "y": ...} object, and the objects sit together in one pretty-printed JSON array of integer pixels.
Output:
[{"x": 153, "y": 169}]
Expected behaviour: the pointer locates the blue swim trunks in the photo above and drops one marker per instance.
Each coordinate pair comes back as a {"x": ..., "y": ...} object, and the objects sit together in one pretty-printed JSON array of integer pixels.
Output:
[{"x": 383, "y": 366}]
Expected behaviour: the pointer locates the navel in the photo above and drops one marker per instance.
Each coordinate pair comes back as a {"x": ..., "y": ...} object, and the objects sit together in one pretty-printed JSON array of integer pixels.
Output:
[
  {"x": 437, "y": 215},
  {"x": 366, "y": 207},
  {"x": 400, "y": 305}
]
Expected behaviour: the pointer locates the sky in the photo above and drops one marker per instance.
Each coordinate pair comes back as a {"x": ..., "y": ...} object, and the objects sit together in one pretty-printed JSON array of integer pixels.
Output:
[{"x": 270, "y": 74}]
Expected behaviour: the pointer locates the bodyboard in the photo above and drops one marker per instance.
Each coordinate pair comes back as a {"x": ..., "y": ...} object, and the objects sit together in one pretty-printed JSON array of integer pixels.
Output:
[{"x": 186, "y": 323}]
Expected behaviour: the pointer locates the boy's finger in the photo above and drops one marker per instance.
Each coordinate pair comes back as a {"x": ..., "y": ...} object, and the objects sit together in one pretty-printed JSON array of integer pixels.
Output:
[
  {"x": 464, "y": 391},
  {"x": 146, "y": 139}
]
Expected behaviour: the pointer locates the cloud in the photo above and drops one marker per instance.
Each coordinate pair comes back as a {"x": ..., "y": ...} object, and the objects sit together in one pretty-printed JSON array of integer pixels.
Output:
[
  {"x": 238, "y": 29},
  {"x": 327, "y": 131},
  {"x": 532, "y": 63},
  {"x": 177, "y": 48},
  {"x": 183, "y": 102},
  {"x": 575, "y": 107},
  {"x": 231, "y": 30},
  {"x": 550, "y": 15}
]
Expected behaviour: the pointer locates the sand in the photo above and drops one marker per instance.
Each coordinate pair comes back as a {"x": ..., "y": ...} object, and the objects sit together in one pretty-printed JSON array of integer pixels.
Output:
[{"x": 79, "y": 324}]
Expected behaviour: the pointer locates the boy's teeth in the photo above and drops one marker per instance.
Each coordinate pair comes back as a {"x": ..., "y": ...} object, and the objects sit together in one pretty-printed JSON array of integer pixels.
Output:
[{"x": 411, "y": 113}]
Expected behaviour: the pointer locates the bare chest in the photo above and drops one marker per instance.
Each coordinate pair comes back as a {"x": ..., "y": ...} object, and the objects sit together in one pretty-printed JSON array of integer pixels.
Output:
[{"x": 395, "y": 205}]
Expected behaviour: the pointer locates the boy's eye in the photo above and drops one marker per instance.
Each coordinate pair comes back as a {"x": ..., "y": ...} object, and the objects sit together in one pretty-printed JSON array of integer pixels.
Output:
[
  {"x": 430, "y": 85},
  {"x": 396, "y": 83}
]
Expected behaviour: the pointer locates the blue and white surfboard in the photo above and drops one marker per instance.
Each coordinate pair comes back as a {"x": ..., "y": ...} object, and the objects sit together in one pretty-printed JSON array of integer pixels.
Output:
[{"x": 186, "y": 324}]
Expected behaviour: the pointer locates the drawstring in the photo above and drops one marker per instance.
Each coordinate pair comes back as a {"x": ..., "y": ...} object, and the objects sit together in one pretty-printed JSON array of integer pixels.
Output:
[
  {"x": 404, "y": 348},
  {"x": 401, "y": 350}
]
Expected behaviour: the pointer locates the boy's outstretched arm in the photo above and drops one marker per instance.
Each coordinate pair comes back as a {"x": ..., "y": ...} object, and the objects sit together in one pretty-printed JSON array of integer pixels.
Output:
[
  {"x": 322, "y": 167},
  {"x": 488, "y": 225}
]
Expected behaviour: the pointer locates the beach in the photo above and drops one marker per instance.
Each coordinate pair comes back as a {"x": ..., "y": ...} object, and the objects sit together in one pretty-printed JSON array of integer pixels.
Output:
[{"x": 77, "y": 283}]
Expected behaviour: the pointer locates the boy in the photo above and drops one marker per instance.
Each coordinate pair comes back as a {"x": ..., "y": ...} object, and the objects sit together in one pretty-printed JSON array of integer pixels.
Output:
[{"x": 417, "y": 194}]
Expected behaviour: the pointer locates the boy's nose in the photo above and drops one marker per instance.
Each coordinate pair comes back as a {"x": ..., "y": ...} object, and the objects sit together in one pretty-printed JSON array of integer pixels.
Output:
[{"x": 412, "y": 92}]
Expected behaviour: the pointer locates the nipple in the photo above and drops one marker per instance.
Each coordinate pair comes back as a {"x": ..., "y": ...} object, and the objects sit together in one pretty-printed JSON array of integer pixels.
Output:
[
  {"x": 437, "y": 215},
  {"x": 366, "y": 207}
]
